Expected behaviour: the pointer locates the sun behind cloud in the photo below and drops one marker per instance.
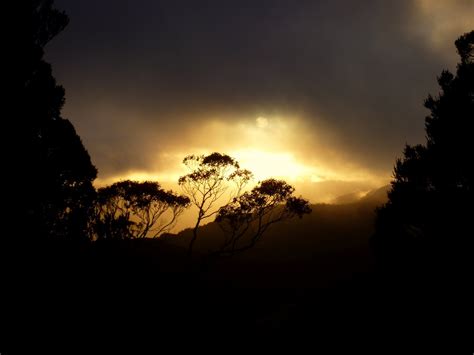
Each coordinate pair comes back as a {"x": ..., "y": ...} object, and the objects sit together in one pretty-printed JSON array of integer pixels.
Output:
[
  {"x": 262, "y": 122},
  {"x": 269, "y": 146}
]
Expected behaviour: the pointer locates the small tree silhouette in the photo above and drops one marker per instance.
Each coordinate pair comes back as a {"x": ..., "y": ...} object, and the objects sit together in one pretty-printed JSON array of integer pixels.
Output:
[
  {"x": 209, "y": 180},
  {"x": 131, "y": 209},
  {"x": 249, "y": 216}
]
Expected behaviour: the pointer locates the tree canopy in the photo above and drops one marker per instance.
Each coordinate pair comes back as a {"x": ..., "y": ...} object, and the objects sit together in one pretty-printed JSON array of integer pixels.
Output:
[
  {"x": 248, "y": 216},
  {"x": 58, "y": 194},
  {"x": 430, "y": 200},
  {"x": 132, "y": 209},
  {"x": 216, "y": 187},
  {"x": 208, "y": 181}
]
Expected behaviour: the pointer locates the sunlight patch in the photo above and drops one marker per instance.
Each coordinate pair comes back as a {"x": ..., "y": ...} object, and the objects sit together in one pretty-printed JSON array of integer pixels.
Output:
[{"x": 262, "y": 122}]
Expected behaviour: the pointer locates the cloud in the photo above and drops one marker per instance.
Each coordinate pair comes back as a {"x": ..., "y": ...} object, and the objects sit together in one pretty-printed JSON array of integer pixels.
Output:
[
  {"x": 442, "y": 21},
  {"x": 338, "y": 84}
]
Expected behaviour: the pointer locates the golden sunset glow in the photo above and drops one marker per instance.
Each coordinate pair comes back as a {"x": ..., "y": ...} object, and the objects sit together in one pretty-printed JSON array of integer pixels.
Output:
[
  {"x": 262, "y": 164},
  {"x": 312, "y": 120},
  {"x": 271, "y": 147},
  {"x": 272, "y": 164}
]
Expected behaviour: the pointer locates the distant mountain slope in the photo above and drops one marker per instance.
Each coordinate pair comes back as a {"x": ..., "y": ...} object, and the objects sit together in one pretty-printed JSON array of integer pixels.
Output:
[
  {"x": 378, "y": 196},
  {"x": 348, "y": 198}
]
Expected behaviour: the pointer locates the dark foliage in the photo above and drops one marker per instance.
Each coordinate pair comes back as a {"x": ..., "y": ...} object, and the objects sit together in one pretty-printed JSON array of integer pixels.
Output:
[
  {"x": 57, "y": 193},
  {"x": 427, "y": 225}
]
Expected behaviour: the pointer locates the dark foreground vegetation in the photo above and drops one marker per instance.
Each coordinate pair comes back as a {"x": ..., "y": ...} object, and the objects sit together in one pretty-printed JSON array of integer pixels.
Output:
[
  {"x": 311, "y": 283},
  {"x": 389, "y": 273}
]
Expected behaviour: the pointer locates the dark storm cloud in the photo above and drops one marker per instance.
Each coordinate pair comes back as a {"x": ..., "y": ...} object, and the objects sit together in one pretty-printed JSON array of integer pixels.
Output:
[{"x": 136, "y": 72}]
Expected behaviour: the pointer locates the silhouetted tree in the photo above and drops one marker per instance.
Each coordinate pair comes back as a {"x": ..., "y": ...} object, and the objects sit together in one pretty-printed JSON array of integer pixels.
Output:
[
  {"x": 431, "y": 198},
  {"x": 58, "y": 194},
  {"x": 131, "y": 209},
  {"x": 208, "y": 182},
  {"x": 249, "y": 216}
]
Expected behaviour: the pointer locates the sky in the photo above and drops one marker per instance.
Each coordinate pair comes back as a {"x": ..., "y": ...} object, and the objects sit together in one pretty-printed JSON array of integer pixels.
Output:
[{"x": 324, "y": 94}]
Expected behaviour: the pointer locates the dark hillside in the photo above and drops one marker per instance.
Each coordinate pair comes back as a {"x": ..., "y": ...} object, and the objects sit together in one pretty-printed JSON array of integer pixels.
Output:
[{"x": 330, "y": 244}]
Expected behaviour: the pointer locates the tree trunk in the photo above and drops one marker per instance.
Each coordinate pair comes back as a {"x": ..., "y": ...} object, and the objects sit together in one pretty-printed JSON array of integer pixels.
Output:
[{"x": 193, "y": 239}]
